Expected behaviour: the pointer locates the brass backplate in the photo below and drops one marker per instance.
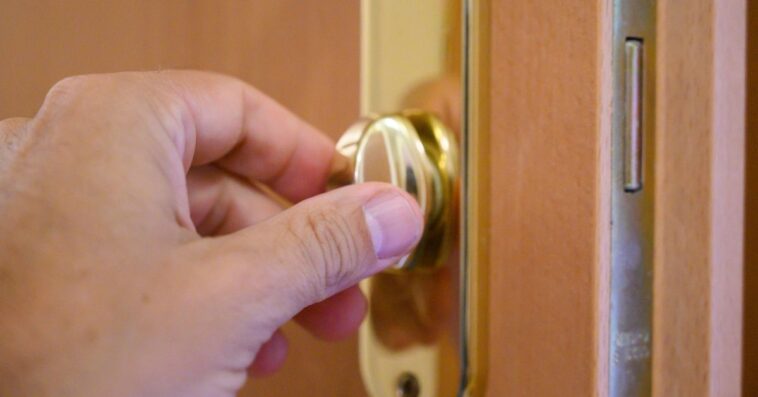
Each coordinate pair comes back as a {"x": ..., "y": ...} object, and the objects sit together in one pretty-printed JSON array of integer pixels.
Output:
[{"x": 425, "y": 330}]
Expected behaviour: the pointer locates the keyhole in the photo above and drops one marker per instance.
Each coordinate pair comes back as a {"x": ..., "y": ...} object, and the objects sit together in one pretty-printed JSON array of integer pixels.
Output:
[{"x": 407, "y": 385}]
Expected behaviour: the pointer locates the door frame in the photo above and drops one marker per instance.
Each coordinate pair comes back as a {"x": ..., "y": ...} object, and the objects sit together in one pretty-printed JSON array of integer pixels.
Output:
[{"x": 549, "y": 147}]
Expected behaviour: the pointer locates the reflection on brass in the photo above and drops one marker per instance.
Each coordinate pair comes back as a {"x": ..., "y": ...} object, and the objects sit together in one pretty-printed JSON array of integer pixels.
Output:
[
  {"x": 413, "y": 307},
  {"x": 341, "y": 173},
  {"x": 425, "y": 330},
  {"x": 475, "y": 208},
  {"x": 416, "y": 152}
]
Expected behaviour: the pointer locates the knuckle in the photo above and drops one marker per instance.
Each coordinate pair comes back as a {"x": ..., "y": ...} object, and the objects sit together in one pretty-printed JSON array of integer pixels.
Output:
[
  {"x": 96, "y": 87},
  {"x": 329, "y": 244},
  {"x": 65, "y": 94},
  {"x": 167, "y": 108},
  {"x": 150, "y": 95},
  {"x": 68, "y": 86}
]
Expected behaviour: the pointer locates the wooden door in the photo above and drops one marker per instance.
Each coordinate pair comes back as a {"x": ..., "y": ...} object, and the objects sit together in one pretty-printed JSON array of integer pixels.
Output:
[
  {"x": 550, "y": 134},
  {"x": 549, "y": 177}
]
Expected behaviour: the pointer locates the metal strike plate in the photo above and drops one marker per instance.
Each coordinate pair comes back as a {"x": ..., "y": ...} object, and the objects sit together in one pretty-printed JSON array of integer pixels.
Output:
[
  {"x": 421, "y": 98},
  {"x": 632, "y": 195}
]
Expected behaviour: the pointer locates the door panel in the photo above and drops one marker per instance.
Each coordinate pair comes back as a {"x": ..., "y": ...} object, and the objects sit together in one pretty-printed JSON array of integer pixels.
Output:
[
  {"x": 550, "y": 136},
  {"x": 303, "y": 53}
]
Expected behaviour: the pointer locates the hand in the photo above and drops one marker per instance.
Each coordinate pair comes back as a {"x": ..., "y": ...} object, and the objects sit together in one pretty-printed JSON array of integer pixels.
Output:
[{"x": 138, "y": 255}]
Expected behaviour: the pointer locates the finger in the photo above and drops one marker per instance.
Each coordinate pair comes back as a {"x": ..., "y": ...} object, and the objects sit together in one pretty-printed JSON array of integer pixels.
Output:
[
  {"x": 271, "y": 355},
  {"x": 231, "y": 123},
  {"x": 336, "y": 317},
  {"x": 12, "y": 132},
  {"x": 205, "y": 117},
  {"x": 12, "y": 125},
  {"x": 318, "y": 247},
  {"x": 221, "y": 203}
]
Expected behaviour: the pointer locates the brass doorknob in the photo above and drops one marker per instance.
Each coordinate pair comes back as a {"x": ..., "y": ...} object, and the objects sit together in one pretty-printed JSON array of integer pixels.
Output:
[{"x": 416, "y": 152}]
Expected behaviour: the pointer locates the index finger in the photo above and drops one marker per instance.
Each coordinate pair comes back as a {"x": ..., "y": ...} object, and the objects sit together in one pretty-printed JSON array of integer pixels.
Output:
[{"x": 230, "y": 123}]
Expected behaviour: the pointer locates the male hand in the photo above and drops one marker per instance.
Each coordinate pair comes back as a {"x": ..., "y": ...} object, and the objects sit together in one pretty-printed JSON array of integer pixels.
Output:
[{"x": 138, "y": 256}]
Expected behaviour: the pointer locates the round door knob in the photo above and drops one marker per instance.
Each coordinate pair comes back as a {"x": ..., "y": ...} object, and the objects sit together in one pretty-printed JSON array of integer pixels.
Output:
[{"x": 416, "y": 152}]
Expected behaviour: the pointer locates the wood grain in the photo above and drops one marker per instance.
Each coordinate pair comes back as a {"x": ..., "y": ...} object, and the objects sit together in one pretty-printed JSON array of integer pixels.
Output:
[
  {"x": 549, "y": 141},
  {"x": 548, "y": 272},
  {"x": 699, "y": 198},
  {"x": 750, "y": 339},
  {"x": 302, "y": 52}
]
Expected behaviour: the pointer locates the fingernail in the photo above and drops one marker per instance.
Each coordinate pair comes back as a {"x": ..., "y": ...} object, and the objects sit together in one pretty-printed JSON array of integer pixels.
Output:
[{"x": 394, "y": 222}]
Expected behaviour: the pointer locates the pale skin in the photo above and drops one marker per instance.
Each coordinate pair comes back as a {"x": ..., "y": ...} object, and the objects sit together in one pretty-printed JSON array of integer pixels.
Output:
[{"x": 138, "y": 257}]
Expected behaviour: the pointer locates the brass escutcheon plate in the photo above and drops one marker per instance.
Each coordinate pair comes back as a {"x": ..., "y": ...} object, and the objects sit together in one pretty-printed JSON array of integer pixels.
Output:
[{"x": 423, "y": 91}]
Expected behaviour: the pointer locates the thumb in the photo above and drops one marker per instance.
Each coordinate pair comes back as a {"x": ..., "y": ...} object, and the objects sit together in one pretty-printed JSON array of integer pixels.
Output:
[{"x": 321, "y": 246}]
